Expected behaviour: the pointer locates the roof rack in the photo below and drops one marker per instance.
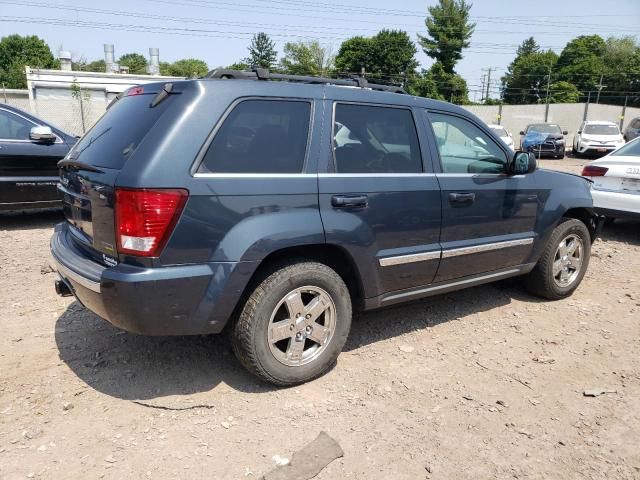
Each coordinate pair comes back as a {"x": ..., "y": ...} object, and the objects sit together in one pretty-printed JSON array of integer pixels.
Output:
[{"x": 264, "y": 74}]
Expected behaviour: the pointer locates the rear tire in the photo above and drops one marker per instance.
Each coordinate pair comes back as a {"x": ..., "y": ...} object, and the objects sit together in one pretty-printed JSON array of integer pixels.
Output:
[
  {"x": 563, "y": 262},
  {"x": 294, "y": 325}
]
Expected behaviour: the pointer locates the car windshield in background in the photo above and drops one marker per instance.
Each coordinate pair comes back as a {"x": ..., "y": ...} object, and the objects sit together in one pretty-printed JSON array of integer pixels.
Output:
[
  {"x": 631, "y": 149},
  {"x": 500, "y": 131},
  {"x": 544, "y": 128},
  {"x": 601, "y": 130}
]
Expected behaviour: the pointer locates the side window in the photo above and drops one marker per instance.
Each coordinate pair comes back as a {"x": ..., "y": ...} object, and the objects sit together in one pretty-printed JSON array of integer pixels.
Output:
[
  {"x": 14, "y": 127},
  {"x": 370, "y": 139},
  {"x": 464, "y": 148},
  {"x": 260, "y": 136}
]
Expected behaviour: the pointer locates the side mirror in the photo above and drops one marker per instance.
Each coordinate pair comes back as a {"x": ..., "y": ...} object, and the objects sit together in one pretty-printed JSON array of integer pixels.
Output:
[
  {"x": 579, "y": 132},
  {"x": 523, "y": 162},
  {"x": 521, "y": 132},
  {"x": 564, "y": 132},
  {"x": 42, "y": 134}
]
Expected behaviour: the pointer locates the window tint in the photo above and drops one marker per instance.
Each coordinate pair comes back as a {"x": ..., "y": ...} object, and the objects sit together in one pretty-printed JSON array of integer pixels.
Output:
[
  {"x": 14, "y": 127},
  {"x": 601, "y": 129},
  {"x": 464, "y": 148},
  {"x": 117, "y": 135},
  {"x": 261, "y": 136},
  {"x": 375, "y": 140},
  {"x": 544, "y": 128},
  {"x": 632, "y": 149}
]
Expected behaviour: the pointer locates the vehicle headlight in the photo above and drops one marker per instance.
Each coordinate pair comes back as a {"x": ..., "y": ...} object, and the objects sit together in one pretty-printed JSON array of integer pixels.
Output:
[{"x": 560, "y": 141}]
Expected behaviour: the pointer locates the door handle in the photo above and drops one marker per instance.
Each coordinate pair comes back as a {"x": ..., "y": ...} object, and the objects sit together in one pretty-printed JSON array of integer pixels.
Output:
[
  {"x": 461, "y": 199},
  {"x": 349, "y": 201}
]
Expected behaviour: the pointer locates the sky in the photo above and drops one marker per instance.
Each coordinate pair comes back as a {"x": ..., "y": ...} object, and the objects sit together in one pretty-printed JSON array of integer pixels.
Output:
[{"x": 219, "y": 31}]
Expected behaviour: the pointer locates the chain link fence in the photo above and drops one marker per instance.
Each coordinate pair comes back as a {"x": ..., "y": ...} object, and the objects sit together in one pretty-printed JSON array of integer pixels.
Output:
[
  {"x": 568, "y": 115},
  {"x": 75, "y": 110}
]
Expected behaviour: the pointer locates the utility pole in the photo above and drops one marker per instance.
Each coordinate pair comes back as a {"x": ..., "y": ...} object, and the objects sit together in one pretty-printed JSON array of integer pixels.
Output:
[
  {"x": 485, "y": 97},
  {"x": 546, "y": 109},
  {"x": 600, "y": 87},
  {"x": 624, "y": 111},
  {"x": 484, "y": 78}
]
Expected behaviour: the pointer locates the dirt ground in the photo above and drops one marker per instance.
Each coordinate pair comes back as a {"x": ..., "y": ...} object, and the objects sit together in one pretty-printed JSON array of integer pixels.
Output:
[{"x": 482, "y": 383}]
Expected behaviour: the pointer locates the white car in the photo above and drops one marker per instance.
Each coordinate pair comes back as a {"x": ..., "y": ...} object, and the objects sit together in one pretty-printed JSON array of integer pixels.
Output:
[
  {"x": 504, "y": 134},
  {"x": 597, "y": 138},
  {"x": 616, "y": 177}
]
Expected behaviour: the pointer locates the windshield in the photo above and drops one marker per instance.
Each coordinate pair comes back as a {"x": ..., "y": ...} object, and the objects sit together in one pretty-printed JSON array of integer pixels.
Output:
[
  {"x": 601, "y": 130},
  {"x": 631, "y": 149},
  {"x": 500, "y": 131},
  {"x": 544, "y": 128}
]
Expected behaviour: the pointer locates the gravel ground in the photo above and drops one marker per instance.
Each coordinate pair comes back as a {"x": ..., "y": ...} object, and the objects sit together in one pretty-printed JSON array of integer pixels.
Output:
[{"x": 482, "y": 383}]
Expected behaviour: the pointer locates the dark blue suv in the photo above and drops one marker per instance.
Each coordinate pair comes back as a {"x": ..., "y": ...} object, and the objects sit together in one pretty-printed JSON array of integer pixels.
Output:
[{"x": 275, "y": 205}]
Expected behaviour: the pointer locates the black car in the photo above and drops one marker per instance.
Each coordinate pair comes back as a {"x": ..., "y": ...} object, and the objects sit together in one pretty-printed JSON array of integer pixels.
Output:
[
  {"x": 275, "y": 208},
  {"x": 543, "y": 139},
  {"x": 29, "y": 153}
]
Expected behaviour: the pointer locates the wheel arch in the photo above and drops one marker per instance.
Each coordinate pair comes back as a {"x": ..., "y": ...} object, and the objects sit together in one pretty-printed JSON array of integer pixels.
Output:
[{"x": 331, "y": 255}]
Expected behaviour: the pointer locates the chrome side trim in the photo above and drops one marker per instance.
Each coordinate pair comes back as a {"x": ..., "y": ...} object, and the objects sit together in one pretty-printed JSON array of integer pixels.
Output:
[
  {"x": 452, "y": 284},
  {"x": 374, "y": 175},
  {"x": 29, "y": 179},
  {"x": 455, "y": 252},
  {"x": 413, "y": 257},
  {"x": 76, "y": 277},
  {"x": 255, "y": 175}
]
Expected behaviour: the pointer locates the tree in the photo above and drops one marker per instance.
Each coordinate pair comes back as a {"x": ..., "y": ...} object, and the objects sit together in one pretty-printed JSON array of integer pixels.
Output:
[
  {"x": 241, "y": 65},
  {"x": 306, "y": 58},
  {"x": 527, "y": 47},
  {"x": 449, "y": 32},
  {"x": 622, "y": 74},
  {"x": 137, "y": 63},
  {"x": 423, "y": 85},
  {"x": 16, "y": 52},
  {"x": 563, "y": 92},
  {"x": 527, "y": 76},
  {"x": 83, "y": 66},
  {"x": 262, "y": 51},
  {"x": 582, "y": 62},
  {"x": 451, "y": 86},
  {"x": 387, "y": 57},
  {"x": 187, "y": 67}
]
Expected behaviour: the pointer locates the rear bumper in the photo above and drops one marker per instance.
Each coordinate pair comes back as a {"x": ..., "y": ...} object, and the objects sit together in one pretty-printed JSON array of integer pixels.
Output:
[
  {"x": 177, "y": 300},
  {"x": 616, "y": 204}
]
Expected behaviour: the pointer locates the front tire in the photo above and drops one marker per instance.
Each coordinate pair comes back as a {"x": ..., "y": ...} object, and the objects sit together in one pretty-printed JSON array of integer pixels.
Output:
[
  {"x": 563, "y": 263},
  {"x": 294, "y": 324}
]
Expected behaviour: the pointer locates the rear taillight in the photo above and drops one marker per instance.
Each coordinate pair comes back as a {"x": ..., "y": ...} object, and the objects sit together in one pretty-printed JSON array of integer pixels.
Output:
[
  {"x": 145, "y": 219},
  {"x": 594, "y": 171}
]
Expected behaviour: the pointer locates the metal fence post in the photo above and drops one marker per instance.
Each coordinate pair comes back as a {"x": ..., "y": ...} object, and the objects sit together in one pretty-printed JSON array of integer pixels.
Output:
[
  {"x": 586, "y": 106},
  {"x": 624, "y": 110},
  {"x": 500, "y": 114},
  {"x": 82, "y": 112}
]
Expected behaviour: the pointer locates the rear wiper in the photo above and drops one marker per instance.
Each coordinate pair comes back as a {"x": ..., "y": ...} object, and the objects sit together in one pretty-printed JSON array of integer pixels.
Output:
[
  {"x": 162, "y": 95},
  {"x": 78, "y": 166}
]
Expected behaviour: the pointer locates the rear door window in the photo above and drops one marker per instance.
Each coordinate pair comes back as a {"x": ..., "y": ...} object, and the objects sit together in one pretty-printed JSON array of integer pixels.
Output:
[
  {"x": 260, "y": 136},
  {"x": 117, "y": 135},
  {"x": 373, "y": 139}
]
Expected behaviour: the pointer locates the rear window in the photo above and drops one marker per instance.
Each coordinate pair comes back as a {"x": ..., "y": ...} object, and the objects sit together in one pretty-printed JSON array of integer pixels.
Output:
[
  {"x": 601, "y": 130},
  {"x": 112, "y": 141},
  {"x": 630, "y": 149},
  {"x": 260, "y": 136},
  {"x": 500, "y": 131}
]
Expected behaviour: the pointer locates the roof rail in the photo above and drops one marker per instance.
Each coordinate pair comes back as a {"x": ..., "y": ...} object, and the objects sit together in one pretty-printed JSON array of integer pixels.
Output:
[{"x": 265, "y": 74}]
